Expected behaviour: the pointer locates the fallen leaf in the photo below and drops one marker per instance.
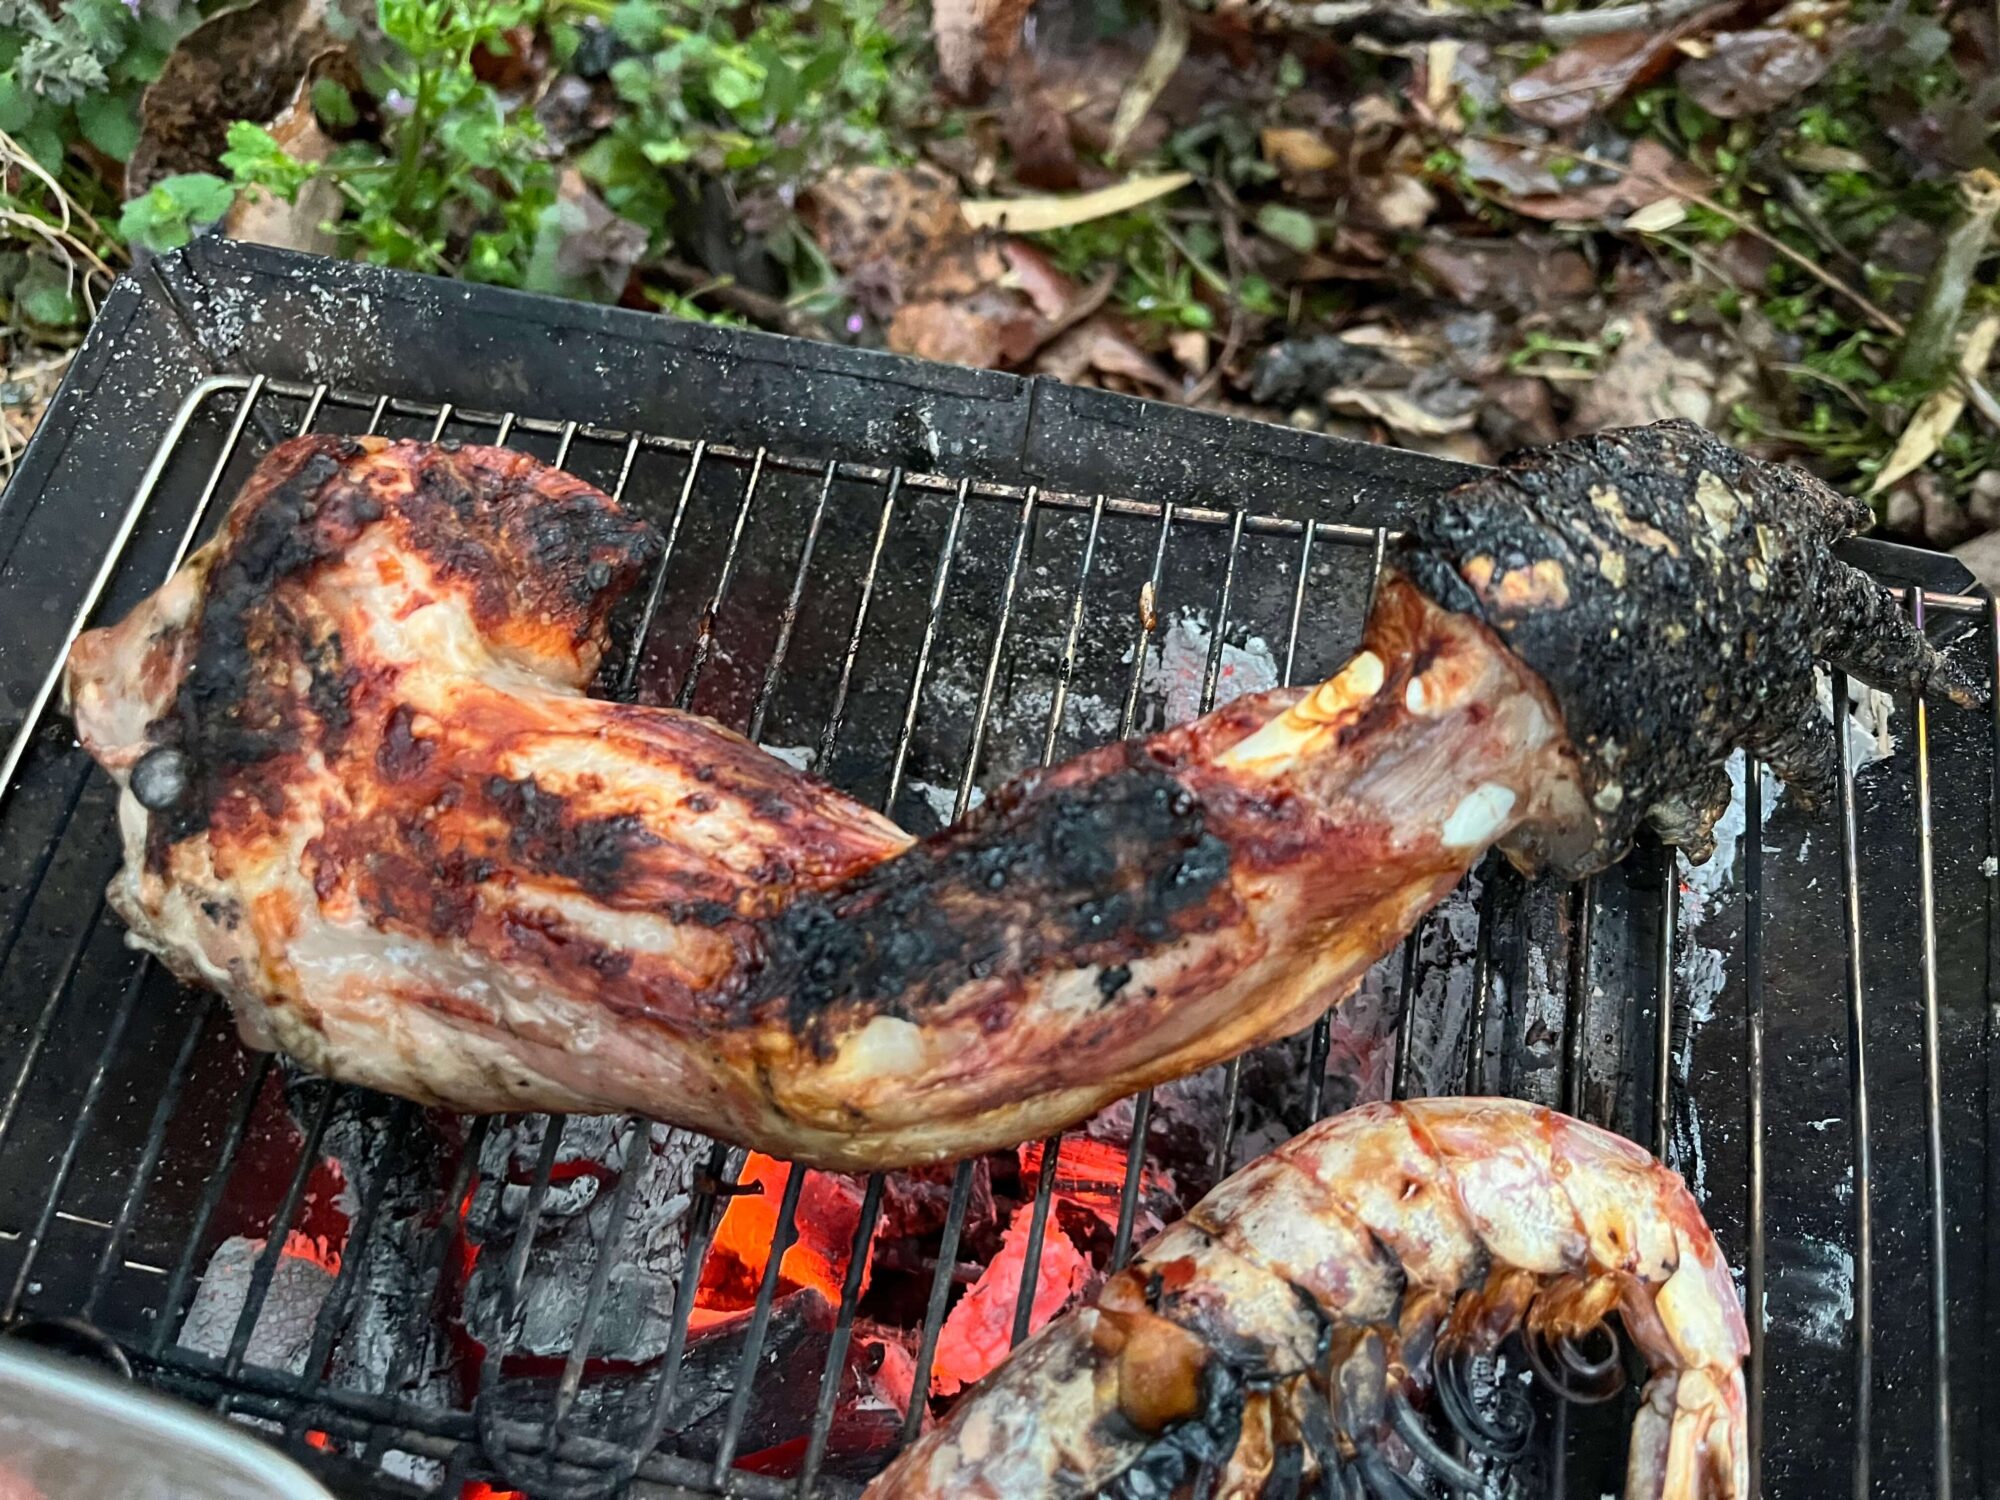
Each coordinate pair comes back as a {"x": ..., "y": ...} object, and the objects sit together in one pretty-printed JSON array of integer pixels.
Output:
[
  {"x": 1400, "y": 202},
  {"x": 1170, "y": 45},
  {"x": 880, "y": 214},
  {"x": 1656, "y": 217},
  {"x": 1518, "y": 171},
  {"x": 1589, "y": 75},
  {"x": 261, "y": 217},
  {"x": 1514, "y": 274},
  {"x": 1397, "y": 410},
  {"x": 976, "y": 39},
  {"x": 239, "y": 64},
  {"x": 1433, "y": 405},
  {"x": 1039, "y": 141},
  {"x": 1934, "y": 419},
  {"x": 1297, "y": 152},
  {"x": 1644, "y": 381},
  {"x": 1749, "y": 72},
  {"x": 511, "y": 62},
  {"x": 961, "y": 331},
  {"x": 1189, "y": 348},
  {"x": 1290, "y": 227},
  {"x": 1653, "y": 172},
  {"x": 1812, "y": 156},
  {"x": 1098, "y": 348},
  {"x": 1053, "y": 294},
  {"x": 1515, "y": 411},
  {"x": 1035, "y": 215}
]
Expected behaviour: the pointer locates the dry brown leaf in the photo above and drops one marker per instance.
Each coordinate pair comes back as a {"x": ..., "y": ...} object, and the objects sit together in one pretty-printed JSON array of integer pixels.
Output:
[
  {"x": 1189, "y": 348},
  {"x": 1052, "y": 293},
  {"x": 1399, "y": 202},
  {"x": 1097, "y": 347},
  {"x": 1513, "y": 274},
  {"x": 1589, "y": 75},
  {"x": 1933, "y": 421},
  {"x": 1812, "y": 156},
  {"x": 1518, "y": 171},
  {"x": 1653, "y": 173},
  {"x": 870, "y": 214},
  {"x": 1749, "y": 72},
  {"x": 1397, "y": 410},
  {"x": 1170, "y": 45},
  {"x": 976, "y": 39},
  {"x": 961, "y": 331},
  {"x": 1298, "y": 152},
  {"x": 1656, "y": 217},
  {"x": 240, "y": 64},
  {"x": 1644, "y": 381},
  {"x": 1039, "y": 142},
  {"x": 302, "y": 224},
  {"x": 1035, "y": 215}
]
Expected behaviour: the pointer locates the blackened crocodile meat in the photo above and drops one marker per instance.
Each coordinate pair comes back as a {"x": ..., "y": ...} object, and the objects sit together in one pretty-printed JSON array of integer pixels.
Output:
[{"x": 1675, "y": 596}]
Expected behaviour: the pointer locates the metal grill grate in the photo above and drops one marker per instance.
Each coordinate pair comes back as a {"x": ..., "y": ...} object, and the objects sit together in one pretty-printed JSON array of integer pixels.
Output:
[{"x": 910, "y": 635}]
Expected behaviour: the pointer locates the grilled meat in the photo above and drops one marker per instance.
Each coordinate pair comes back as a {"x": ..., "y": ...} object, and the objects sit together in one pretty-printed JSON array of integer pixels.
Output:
[
  {"x": 366, "y": 797},
  {"x": 1295, "y": 1331}
]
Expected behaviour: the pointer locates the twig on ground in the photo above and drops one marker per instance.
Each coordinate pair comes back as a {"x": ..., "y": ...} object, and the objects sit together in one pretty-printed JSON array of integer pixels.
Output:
[
  {"x": 1169, "y": 47},
  {"x": 1680, "y": 190},
  {"x": 1390, "y": 21},
  {"x": 1228, "y": 213},
  {"x": 1981, "y": 399},
  {"x": 695, "y": 283},
  {"x": 1927, "y": 345}
]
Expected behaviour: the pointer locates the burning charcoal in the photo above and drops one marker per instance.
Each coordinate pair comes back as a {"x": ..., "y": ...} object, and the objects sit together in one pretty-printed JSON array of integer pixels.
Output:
[
  {"x": 915, "y": 1202},
  {"x": 575, "y": 1221},
  {"x": 616, "y": 1405},
  {"x": 1090, "y": 1174},
  {"x": 979, "y": 1330},
  {"x": 282, "y": 1334},
  {"x": 828, "y": 1215}
]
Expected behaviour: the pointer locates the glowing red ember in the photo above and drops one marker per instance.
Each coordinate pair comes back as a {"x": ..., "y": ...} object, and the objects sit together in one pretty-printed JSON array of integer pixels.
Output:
[
  {"x": 979, "y": 1331},
  {"x": 828, "y": 1215}
]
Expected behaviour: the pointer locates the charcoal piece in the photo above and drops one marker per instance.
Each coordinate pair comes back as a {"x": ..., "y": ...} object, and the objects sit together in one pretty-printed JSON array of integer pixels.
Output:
[
  {"x": 577, "y": 1217},
  {"x": 281, "y": 1334}
]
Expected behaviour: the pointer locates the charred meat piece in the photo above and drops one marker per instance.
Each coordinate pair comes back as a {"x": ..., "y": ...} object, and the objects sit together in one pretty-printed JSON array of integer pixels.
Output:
[
  {"x": 366, "y": 797},
  {"x": 1316, "y": 1322}
]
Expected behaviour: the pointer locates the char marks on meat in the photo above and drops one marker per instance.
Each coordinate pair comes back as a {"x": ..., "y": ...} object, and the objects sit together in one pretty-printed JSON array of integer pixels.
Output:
[{"x": 366, "y": 796}]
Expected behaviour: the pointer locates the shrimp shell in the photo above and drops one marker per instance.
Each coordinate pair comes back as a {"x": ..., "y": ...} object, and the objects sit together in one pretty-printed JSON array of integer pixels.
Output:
[{"x": 1284, "y": 1335}]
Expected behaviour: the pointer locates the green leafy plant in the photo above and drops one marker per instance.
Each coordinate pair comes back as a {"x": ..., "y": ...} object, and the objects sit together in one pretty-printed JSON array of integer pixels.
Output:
[{"x": 805, "y": 86}]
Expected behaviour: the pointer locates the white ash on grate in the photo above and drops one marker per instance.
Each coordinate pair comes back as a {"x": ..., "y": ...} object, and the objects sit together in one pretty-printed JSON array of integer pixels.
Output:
[
  {"x": 575, "y": 1221},
  {"x": 281, "y": 1333}
]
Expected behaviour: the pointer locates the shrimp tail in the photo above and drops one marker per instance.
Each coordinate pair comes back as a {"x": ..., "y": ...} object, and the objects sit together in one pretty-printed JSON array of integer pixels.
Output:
[{"x": 1321, "y": 1319}]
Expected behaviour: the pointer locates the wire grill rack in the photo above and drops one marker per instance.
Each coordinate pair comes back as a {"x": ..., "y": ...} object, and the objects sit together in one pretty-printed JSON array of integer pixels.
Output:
[{"x": 910, "y": 635}]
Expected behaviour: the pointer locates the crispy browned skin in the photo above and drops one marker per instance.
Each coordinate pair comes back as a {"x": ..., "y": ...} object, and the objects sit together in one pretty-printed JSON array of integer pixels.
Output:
[{"x": 366, "y": 797}]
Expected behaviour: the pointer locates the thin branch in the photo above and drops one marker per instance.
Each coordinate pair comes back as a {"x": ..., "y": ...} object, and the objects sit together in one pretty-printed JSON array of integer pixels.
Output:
[
  {"x": 766, "y": 312},
  {"x": 1389, "y": 21},
  {"x": 1228, "y": 214}
]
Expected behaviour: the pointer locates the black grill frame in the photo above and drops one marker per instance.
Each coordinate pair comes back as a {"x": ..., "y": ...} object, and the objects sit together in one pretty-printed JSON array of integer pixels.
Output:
[{"x": 1648, "y": 1109}]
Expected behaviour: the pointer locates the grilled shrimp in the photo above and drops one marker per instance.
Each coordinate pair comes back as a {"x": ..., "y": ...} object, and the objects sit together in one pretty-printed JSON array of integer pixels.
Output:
[{"x": 1289, "y": 1334}]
